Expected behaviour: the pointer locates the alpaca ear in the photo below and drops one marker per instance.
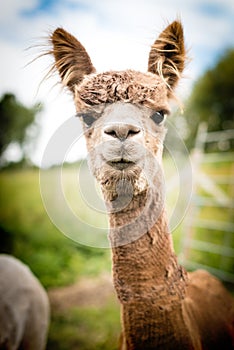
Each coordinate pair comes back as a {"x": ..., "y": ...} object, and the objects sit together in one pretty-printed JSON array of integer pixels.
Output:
[
  {"x": 167, "y": 56},
  {"x": 71, "y": 58}
]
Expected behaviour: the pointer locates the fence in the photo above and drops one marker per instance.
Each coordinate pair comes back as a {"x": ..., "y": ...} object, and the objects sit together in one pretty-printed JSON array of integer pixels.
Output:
[{"x": 208, "y": 231}]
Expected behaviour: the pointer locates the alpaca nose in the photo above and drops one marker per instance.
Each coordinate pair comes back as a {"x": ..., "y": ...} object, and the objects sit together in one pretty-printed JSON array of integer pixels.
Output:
[{"x": 122, "y": 131}]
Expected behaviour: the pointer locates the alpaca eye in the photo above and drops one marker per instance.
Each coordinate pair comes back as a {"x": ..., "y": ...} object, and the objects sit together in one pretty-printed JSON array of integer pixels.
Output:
[
  {"x": 158, "y": 117},
  {"x": 88, "y": 119}
]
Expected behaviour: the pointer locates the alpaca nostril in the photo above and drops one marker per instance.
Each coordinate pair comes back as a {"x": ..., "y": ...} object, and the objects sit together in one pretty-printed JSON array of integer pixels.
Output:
[
  {"x": 111, "y": 132},
  {"x": 122, "y": 131}
]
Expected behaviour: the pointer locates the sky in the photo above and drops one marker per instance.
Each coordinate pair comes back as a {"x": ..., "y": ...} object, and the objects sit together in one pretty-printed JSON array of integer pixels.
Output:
[{"x": 117, "y": 34}]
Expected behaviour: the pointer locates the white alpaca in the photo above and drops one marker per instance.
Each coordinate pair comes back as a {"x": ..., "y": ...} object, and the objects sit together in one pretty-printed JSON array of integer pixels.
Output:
[{"x": 24, "y": 307}]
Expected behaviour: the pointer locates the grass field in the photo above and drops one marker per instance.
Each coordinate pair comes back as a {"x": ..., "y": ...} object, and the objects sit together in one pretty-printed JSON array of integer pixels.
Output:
[
  {"x": 27, "y": 232},
  {"x": 31, "y": 236}
]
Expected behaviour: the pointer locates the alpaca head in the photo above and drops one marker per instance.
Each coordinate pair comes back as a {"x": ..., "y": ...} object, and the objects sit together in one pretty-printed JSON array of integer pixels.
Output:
[{"x": 122, "y": 112}]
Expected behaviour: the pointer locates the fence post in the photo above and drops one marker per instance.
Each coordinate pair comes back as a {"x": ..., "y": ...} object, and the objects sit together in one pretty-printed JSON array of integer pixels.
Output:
[{"x": 215, "y": 197}]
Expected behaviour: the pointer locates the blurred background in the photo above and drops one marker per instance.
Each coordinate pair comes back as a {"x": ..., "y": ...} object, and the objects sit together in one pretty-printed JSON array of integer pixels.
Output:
[{"x": 199, "y": 151}]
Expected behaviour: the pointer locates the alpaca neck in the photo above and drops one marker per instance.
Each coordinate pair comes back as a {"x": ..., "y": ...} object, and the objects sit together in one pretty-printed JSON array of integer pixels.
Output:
[
  {"x": 147, "y": 278},
  {"x": 147, "y": 266}
]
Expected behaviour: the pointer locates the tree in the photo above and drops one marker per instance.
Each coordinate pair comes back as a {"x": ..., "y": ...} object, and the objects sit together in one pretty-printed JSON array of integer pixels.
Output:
[
  {"x": 212, "y": 98},
  {"x": 15, "y": 120}
]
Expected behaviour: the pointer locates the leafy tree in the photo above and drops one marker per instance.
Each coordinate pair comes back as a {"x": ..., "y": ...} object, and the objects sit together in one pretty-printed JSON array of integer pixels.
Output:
[
  {"x": 212, "y": 98},
  {"x": 15, "y": 119}
]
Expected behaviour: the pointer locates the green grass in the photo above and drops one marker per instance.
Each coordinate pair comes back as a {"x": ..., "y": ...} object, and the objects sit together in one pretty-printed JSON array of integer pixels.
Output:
[
  {"x": 86, "y": 328},
  {"x": 27, "y": 232},
  {"x": 218, "y": 216}
]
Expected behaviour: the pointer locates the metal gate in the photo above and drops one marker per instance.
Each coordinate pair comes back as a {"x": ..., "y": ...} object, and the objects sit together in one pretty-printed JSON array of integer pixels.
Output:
[{"x": 208, "y": 230}]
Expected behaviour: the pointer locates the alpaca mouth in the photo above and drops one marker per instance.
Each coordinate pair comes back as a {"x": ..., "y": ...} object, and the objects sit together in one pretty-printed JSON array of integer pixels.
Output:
[{"x": 120, "y": 164}]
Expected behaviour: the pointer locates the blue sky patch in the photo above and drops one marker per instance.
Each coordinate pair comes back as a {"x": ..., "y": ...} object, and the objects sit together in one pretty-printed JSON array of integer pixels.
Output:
[
  {"x": 52, "y": 7},
  {"x": 212, "y": 10}
]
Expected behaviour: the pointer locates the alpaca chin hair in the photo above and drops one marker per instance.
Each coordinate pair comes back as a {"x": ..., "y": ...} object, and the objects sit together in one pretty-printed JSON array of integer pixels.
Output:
[
  {"x": 122, "y": 184},
  {"x": 141, "y": 184}
]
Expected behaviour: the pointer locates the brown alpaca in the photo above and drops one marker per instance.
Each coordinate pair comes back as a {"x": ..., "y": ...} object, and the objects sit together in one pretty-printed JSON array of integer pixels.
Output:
[{"x": 163, "y": 306}]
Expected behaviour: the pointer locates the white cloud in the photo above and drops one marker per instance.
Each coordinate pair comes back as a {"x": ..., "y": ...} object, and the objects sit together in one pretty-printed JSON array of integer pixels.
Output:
[
  {"x": 117, "y": 35},
  {"x": 10, "y": 9}
]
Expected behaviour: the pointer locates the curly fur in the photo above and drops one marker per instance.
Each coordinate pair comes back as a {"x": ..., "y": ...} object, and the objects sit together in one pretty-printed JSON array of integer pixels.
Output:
[
  {"x": 166, "y": 62},
  {"x": 127, "y": 86}
]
